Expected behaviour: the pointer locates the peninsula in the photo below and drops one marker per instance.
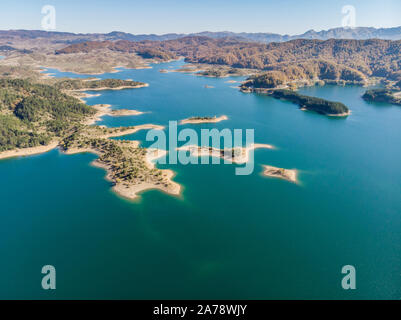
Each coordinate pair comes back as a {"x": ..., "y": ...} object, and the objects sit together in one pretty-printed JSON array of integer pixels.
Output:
[
  {"x": 36, "y": 118},
  {"x": 383, "y": 95},
  {"x": 322, "y": 106}
]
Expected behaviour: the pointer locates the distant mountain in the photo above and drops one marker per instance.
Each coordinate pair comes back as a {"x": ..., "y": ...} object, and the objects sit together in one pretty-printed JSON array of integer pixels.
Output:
[
  {"x": 360, "y": 33},
  {"x": 117, "y": 35}
]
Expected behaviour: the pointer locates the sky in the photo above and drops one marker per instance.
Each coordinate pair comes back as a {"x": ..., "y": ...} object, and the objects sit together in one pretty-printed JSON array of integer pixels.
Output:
[{"x": 179, "y": 16}]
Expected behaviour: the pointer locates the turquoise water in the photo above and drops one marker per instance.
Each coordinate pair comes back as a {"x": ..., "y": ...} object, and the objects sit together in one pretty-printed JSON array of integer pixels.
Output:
[{"x": 226, "y": 236}]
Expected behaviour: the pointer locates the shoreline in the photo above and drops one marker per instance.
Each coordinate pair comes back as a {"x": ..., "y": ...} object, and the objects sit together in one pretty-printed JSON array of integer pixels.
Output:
[
  {"x": 108, "y": 88},
  {"x": 344, "y": 114},
  {"x": 126, "y": 130},
  {"x": 30, "y": 151},
  {"x": 237, "y": 155},
  {"x": 197, "y": 121},
  {"x": 113, "y": 70},
  {"x": 290, "y": 175},
  {"x": 132, "y": 191},
  {"x": 105, "y": 110}
]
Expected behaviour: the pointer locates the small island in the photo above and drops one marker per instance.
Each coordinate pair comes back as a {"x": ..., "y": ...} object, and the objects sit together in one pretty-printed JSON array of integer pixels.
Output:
[
  {"x": 321, "y": 106},
  {"x": 76, "y": 87},
  {"x": 238, "y": 155},
  {"x": 97, "y": 85},
  {"x": 105, "y": 110},
  {"x": 383, "y": 95},
  {"x": 196, "y": 120},
  {"x": 286, "y": 174}
]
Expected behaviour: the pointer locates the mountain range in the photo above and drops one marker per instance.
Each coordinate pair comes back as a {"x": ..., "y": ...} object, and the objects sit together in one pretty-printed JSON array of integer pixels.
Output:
[{"x": 359, "y": 33}]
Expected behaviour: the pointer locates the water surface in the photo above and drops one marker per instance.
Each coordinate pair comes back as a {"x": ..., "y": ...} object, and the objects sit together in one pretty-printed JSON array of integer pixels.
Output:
[{"x": 226, "y": 236}]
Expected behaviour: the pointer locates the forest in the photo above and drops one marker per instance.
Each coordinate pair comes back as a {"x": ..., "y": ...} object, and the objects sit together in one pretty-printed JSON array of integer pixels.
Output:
[
  {"x": 381, "y": 95},
  {"x": 318, "y": 105},
  {"x": 77, "y": 84},
  {"x": 32, "y": 114}
]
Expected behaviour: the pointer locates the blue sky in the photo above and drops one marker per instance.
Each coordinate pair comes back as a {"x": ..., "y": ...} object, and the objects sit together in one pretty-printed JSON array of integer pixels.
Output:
[{"x": 164, "y": 16}]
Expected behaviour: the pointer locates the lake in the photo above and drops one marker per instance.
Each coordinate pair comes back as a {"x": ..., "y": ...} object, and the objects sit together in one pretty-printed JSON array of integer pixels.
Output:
[{"x": 226, "y": 236}]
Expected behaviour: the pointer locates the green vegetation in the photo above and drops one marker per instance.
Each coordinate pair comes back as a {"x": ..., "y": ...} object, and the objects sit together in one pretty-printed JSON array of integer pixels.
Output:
[
  {"x": 217, "y": 73},
  {"x": 266, "y": 80},
  {"x": 319, "y": 105},
  {"x": 125, "y": 161},
  {"x": 220, "y": 72},
  {"x": 202, "y": 118},
  {"x": 381, "y": 95},
  {"x": 311, "y": 71},
  {"x": 33, "y": 114},
  {"x": 77, "y": 84},
  {"x": 16, "y": 134}
]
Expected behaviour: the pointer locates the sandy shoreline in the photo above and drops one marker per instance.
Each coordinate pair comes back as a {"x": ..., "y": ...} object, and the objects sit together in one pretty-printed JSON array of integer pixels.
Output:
[
  {"x": 116, "y": 88},
  {"x": 238, "y": 155},
  {"x": 281, "y": 173},
  {"x": 105, "y": 110},
  {"x": 24, "y": 152},
  {"x": 196, "y": 121},
  {"x": 81, "y": 94},
  {"x": 126, "y": 131},
  {"x": 344, "y": 114},
  {"x": 131, "y": 191},
  {"x": 113, "y": 70}
]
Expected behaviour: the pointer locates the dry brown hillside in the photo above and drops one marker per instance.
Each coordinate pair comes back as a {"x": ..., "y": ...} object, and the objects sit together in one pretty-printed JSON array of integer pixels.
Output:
[{"x": 352, "y": 59}]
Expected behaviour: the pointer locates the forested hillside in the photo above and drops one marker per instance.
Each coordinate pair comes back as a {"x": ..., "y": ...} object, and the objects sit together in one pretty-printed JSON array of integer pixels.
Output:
[{"x": 33, "y": 114}]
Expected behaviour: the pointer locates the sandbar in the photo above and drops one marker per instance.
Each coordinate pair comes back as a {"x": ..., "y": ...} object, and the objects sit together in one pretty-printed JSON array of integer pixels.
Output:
[
  {"x": 281, "y": 173},
  {"x": 238, "y": 155},
  {"x": 196, "y": 120}
]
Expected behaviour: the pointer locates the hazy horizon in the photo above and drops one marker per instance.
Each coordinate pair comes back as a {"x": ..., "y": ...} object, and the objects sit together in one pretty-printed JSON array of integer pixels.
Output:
[{"x": 202, "y": 31}]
